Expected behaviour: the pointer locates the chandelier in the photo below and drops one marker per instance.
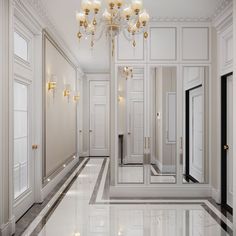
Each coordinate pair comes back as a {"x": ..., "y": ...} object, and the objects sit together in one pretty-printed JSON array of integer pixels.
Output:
[{"x": 131, "y": 19}]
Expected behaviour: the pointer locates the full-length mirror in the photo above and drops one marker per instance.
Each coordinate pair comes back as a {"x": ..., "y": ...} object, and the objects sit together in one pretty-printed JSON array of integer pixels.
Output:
[
  {"x": 195, "y": 106},
  {"x": 163, "y": 134},
  {"x": 131, "y": 124}
]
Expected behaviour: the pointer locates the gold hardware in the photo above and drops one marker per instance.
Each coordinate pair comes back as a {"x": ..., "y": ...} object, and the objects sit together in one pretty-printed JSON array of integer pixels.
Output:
[
  {"x": 76, "y": 98},
  {"x": 145, "y": 35},
  {"x": 51, "y": 85},
  {"x": 34, "y": 146},
  {"x": 226, "y": 147}
]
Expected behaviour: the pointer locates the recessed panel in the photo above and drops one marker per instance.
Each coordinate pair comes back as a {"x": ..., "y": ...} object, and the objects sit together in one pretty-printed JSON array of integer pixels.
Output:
[
  {"x": 126, "y": 50},
  {"x": 195, "y": 43},
  {"x": 20, "y": 46},
  {"x": 163, "y": 44}
]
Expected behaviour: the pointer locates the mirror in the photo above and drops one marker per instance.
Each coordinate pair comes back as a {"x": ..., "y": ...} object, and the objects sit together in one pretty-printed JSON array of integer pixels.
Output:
[
  {"x": 163, "y": 136},
  {"x": 131, "y": 125},
  {"x": 195, "y": 107}
]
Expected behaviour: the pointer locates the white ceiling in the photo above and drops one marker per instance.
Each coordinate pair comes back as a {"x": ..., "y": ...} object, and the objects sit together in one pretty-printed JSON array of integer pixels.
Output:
[{"x": 62, "y": 15}]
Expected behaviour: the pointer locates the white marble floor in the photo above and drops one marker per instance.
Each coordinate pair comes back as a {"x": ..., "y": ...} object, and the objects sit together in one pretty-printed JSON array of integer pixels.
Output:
[{"x": 75, "y": 216}]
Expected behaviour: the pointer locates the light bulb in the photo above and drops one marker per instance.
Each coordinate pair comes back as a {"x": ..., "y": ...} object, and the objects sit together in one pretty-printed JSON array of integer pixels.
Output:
[
  {"x": 80, "y": 17},
  {"x": 86, "y": 5},
  {"x": 136, "y": 6},
  {"x": 119, "y": 3},
  {"x": 144, "y": 17},
  {"x": 96, "y": 6},
  {"x": 127, "y": 12},
  {"x": 107, "y": 15}
]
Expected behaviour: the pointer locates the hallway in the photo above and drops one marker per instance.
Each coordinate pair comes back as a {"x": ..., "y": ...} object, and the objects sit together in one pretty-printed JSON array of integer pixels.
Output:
[{"x": 84, "y": 209}]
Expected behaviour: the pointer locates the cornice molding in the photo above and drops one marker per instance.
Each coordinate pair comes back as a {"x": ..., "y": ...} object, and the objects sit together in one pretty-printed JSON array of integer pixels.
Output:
[
  {"x": 221, "y": 8},
  {"x": 180, "y": 19}
]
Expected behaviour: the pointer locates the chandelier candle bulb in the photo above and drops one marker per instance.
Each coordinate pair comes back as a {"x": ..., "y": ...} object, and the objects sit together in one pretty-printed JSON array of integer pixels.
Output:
[
  {"x": 86, "y": 5},
  {"x": 136, "y": 6},
  {"x": 119, "y": 3},
  {"x": 80, "y": 17},
  {"x": 144, "y": 17},
  {"x": 96, "y": 6},
  {"x": 127, "y": 12}
]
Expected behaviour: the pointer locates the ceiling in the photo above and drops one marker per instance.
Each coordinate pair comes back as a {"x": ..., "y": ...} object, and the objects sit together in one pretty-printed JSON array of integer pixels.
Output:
[{"x": 62, "y": 15}]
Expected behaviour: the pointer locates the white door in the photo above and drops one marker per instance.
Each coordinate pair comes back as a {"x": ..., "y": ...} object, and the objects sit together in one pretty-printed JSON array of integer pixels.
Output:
[
  {"x": 23, "y": 166},
  {"x": 99, "y": 118},
  {"x": 230, "y": 141},
  {"x": 196, "y": 157},
  {"x": 135, "y": 120}
]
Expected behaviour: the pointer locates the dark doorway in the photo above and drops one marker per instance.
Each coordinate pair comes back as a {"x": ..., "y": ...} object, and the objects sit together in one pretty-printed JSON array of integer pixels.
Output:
[{"x": 224, "y": 141}]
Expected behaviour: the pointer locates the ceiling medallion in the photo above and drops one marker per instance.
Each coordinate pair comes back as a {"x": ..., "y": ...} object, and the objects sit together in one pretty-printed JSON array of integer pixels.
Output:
[{"x": 119, "y": 17}]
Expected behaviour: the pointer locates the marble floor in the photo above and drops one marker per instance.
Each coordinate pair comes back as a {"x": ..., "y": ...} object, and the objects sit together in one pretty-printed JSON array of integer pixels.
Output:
[{"x": 83, "y": 209}]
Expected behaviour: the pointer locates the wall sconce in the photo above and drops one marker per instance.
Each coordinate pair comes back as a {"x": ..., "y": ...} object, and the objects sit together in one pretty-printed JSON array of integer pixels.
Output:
[
  {"x": 52, "y": 84},
  {"x": 76, "y": 97},
  {"x": 120, "y": 98},
  {"x": 66, "y": 91},
  {"x": 127, "y": 72}
]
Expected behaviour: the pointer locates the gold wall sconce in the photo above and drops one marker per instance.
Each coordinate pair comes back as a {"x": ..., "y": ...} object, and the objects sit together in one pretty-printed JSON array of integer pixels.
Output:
[
  {"x": 76, "y": 97},
  {"x": 66, "y": 92},
  {"x": 120, "y": 98},
  {"x": 52, "y": 84}
]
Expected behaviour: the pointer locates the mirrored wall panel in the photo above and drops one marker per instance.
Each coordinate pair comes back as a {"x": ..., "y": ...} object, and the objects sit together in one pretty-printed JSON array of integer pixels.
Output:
[
  {"x": 131, "y": 125},
  {"x": 163, "y": 111},
  {"x": 195, "y": 105}
]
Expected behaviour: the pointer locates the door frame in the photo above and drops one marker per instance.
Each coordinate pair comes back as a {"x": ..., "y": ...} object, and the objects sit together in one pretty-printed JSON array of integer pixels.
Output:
[
  {"x": 89, "y": 110},
  {"x": 223, "y": 142},
  {"x": 187, "y": 133}
]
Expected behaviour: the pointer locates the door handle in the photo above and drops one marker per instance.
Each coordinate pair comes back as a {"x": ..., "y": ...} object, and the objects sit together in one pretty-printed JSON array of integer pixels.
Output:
[
  {"x": 129, "y": 133},
  {"x": 90, "y": 131},
  {"x": 80, "y": 131},
  {"x": 34, "y": 146},
  {"x": 226, "y": 147}
]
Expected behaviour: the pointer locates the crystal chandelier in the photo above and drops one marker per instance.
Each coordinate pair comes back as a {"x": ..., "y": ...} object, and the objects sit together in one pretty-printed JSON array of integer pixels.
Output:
[{"x": 131, "y": 19}]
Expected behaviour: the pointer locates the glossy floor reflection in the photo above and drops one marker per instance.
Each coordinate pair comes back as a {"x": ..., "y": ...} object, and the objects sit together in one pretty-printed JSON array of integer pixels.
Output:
[{"x": 75, "y": 216}]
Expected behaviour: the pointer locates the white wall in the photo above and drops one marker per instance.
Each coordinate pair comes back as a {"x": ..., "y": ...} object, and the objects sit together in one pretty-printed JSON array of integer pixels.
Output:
[{"x": 60, "y": 112}]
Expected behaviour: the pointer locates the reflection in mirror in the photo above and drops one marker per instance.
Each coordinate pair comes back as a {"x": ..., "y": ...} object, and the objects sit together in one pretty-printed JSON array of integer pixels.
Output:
[
  {"x": 131, "y": 126},
  {"x": 163, "y": 152},
  {"x": 195, "y": 160}
]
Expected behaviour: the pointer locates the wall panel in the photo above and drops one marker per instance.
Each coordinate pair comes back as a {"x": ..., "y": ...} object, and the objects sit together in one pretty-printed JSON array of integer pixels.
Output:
[
  {"x": 195, "y": 43},
  {"x": 59, "y": 111},
  {"x": 163, "y": 43}
]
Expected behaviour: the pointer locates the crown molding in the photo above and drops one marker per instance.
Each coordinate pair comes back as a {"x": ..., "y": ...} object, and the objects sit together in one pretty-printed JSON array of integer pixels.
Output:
[
  {"x": 180, "y": 19},
  {"x": 221, "y": 8}
]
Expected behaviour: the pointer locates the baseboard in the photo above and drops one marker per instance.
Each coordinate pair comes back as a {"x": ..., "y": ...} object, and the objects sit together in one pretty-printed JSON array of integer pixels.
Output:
[
  {"x": 165, "y": 168},
  {"x": 159, "y": 165},
  {"x": 216, "y": 195},
  {"x": 8, "y": 228},
  {"x": 85, "y": 154},
  {"x": 53, "y": 183},
  {"x": 160, "y": 191}
]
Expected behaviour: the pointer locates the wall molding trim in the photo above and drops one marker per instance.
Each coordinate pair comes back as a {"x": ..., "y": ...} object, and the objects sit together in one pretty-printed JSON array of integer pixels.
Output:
[
  {"x": 37, "y": 8},
  {"x": 216, "y": 195},
  {"x": 8, "y": 228}
]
